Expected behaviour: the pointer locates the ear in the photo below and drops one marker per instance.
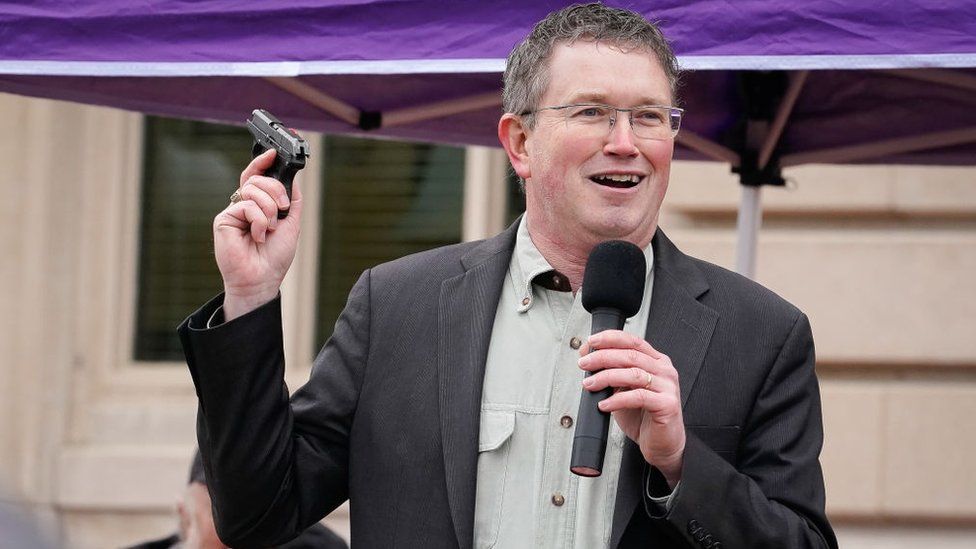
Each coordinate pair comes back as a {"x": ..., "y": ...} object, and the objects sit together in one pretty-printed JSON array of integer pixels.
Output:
[{"x": 514, "y": 138}]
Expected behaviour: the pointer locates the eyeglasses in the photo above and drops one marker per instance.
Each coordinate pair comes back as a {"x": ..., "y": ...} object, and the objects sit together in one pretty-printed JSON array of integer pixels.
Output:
[{"x": 659, "y": 122}]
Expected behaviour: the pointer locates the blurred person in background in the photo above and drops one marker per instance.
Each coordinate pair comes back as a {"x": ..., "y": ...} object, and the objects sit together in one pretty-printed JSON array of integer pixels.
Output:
[{"x": 196, "y": 526}]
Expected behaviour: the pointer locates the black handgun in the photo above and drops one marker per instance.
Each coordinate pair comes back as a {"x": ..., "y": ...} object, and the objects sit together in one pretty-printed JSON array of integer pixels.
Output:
[{"x": 290, "y": 149}]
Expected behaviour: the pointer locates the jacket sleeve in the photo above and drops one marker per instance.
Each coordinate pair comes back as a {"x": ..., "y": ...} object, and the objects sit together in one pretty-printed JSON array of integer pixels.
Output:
[
  {"x": 271, "y": 475},
  {"x": 775, "y": 498}
]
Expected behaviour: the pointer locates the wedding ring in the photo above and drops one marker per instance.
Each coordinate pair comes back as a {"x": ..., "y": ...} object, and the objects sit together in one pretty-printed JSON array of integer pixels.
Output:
[
  {"x": 650, "y": 378},
  {"x": 236, "y": 197}
]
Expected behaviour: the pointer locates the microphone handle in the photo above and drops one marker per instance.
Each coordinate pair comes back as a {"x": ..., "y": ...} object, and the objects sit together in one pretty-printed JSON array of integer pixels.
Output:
[{"x": 592, "y": 425}]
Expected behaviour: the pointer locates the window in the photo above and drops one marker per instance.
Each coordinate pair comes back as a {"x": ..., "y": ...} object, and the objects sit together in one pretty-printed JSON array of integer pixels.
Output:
[
  {"x": 189, "y": 170},
  {"x": 381, "y": 200}
]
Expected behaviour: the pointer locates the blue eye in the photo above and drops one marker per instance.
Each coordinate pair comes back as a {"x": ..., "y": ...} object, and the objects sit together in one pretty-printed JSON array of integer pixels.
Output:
[
  {"x": 649, "y": 116},
  {"x": 590, "y": 111}
]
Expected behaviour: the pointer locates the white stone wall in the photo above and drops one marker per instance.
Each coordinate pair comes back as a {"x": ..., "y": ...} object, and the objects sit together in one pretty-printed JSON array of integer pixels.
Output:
[{"x": 882, "y": 258}]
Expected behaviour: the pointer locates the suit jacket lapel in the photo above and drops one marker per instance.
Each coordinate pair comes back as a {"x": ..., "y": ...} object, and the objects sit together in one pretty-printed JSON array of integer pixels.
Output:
[
  {"x": 679, "y": 326},
  {"x": 466, "y": 314}
]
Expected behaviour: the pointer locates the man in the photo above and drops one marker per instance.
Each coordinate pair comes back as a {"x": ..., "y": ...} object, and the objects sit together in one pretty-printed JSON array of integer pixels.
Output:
[
  {"x": 196, "y": 527},
  {"x": 442, "y": 406}
]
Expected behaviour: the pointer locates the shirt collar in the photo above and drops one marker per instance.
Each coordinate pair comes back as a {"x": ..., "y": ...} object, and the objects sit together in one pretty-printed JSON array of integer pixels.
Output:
[{"x": 528, "y": 263}]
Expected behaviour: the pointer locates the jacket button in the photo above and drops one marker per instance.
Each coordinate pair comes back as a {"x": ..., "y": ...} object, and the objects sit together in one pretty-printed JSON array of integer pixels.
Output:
[
  {"x": 699, "y": 535},
  {"x": 717, "y": 545},
  {"x": 566, "y": 421},
  {"x": 692, "y": 526},
  {"x": 558, "y": 500},
  {"x": 575, "y": 343},
  {"x": 707, "y": 541}
]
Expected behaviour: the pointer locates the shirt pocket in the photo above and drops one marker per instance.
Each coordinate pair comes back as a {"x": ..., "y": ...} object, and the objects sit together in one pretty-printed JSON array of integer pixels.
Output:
[{"x": 494, "y": 446}]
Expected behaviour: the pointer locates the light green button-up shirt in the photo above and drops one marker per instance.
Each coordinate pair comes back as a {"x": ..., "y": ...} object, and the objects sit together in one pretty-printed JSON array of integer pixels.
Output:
[{"x": 526, "y": 495}]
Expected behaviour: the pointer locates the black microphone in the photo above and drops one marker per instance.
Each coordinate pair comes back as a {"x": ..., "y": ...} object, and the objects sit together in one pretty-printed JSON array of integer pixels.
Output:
[{"x": 613, "y": 289}]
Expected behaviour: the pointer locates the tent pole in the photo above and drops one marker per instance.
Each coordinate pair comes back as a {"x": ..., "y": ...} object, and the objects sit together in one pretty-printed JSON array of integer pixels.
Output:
[
  {"x": 750, "y": 219},
  {"x": 937, "y": 76},
  {"x": 767, "y": 99},
  {"x": 332, "y": 105},
  {"x": 408, "y": 115},
  {"x": 706, "y": 147},
  {"x": 797, "y": 79}
]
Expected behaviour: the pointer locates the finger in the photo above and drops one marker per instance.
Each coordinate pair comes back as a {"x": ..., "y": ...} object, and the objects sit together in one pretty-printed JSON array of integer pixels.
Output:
[
  {"x": 256, "y": 219},
  {"x": 233, "y": 217},
  {"x": 264, "y": 201},
  {"x": 295, "y": 208},
  {"x": 274, "y": 188},
  {"x": 629, "y": 379},
  {"x": 610, "y": 359},
  {"x": 619, "y": 339},
  {"x": 660, "y": 405},
  {"x": 258, "y": 166},
  {"x": 243, "y": 217},
  {"x": 615, "y": 358}
]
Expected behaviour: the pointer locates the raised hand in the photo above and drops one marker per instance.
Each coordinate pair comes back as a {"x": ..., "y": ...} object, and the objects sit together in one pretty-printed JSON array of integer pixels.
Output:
[{"x": 254, "y": 249}]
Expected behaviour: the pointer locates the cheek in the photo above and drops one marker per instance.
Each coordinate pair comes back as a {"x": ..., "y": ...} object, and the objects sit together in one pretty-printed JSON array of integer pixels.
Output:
[
  {"x": 659, "y": 154},
  {"x": 547, "y": 174}
]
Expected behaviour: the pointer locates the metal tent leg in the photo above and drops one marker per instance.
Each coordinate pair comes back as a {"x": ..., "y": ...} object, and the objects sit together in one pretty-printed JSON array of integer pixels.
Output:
[{"x": 747, "y": 233}]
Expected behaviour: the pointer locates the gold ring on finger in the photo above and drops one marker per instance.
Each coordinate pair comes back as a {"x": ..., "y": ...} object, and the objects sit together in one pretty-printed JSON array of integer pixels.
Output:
[
  {"x": 650, "y": 378},
  {"x": 236, "y": 197}
]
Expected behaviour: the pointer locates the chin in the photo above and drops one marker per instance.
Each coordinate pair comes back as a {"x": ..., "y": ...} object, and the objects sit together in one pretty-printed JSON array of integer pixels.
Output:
[
  {"x": 621, "y": 226},
  {"x": 613, "y": 231}
]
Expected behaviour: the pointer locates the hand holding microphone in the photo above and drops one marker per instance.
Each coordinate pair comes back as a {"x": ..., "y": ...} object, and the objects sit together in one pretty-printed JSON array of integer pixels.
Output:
[{"x": 625, "y": 376}]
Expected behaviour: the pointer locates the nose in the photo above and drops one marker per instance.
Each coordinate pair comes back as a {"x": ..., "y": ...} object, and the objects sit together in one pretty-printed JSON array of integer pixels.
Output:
[{"x": 621, "y": 140}]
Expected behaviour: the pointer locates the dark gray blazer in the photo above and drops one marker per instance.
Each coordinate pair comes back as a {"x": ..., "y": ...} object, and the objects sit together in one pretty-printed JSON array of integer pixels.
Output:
[{"x": 390, "y": 416}]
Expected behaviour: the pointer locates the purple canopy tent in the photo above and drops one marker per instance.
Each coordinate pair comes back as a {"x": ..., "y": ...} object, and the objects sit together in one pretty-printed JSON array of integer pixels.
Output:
[{"x": 771, "y": 84}]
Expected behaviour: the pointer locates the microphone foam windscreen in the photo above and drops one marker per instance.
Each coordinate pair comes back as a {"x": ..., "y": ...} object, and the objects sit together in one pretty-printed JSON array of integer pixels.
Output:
[{"x": 614, "y": 277}]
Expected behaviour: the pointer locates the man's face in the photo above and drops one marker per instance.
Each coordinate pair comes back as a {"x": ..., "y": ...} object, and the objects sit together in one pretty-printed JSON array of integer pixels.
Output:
[{"x": 568, "y": 195}]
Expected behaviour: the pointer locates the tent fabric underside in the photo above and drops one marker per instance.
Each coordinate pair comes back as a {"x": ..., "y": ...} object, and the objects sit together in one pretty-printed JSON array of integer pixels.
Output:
[
  {"x": 834, "y": 115},
  {"x": 426, "y": 70},
  {"x": 768, "y": 84}
]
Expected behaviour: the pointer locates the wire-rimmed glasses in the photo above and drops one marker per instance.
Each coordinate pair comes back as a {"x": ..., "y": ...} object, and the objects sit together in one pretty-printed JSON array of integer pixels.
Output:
[{"x": 658, "y": 122}]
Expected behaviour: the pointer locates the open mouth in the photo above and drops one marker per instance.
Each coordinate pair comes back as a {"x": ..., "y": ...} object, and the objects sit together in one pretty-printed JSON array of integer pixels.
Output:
[{"x": 617, "y": 181}]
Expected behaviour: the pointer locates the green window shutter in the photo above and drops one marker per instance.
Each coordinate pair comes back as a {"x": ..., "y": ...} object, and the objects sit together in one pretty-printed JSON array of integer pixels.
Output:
[
  {"x": 189, "y": 170},
  {"x": 382, "y": 200}
]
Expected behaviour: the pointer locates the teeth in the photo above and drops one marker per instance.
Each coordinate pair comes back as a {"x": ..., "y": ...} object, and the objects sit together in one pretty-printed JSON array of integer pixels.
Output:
[{"x": 620, "y": 178}]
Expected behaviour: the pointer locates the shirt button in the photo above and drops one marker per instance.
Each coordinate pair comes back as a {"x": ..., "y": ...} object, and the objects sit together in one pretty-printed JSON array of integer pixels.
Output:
[
  {"x": 526, "y": 301},
  {"x": 566, "y": 421},
  {"x": 558, "y": 500},
  {"x": 575, "y": 343}
]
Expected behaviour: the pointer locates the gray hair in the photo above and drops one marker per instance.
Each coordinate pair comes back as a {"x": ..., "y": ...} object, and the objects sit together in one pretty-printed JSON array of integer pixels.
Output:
[{"x": 526, "y": 72}]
